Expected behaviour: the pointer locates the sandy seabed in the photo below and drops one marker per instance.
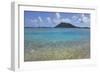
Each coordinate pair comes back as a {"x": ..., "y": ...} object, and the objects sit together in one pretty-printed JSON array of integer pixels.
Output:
[{"x": 39, "y": 51}]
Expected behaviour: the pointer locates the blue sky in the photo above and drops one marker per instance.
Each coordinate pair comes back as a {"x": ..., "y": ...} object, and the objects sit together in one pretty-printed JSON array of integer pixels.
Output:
[{"x": 51, "y": 19}]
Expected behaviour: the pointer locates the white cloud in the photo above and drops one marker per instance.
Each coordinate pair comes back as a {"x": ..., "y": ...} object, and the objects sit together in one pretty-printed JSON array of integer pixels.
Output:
[
  {"x": 34, "y": 20},
  {"x": 40, "y": 22},
  {"x": 66, "y": 20},
  {"x": 40, "y": 19},
  {"x": 79, "y": 20},
  {"x": 58, "y": 15},
  {"x": 57, "y": 21},
  {"x": 74, "y": 17},
  {"x": 49, "y": 20},
  {"x": 82, "y": 19},
  {"x": 85, "y": 19}
]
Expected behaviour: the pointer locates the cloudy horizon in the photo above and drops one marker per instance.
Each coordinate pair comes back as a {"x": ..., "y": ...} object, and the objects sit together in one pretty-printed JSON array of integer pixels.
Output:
[{"x": 51, "y": 19}]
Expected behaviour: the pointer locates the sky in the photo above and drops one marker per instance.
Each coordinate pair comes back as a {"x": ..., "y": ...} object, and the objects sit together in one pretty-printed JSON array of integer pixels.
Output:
[{"x": 51, "y": 19}]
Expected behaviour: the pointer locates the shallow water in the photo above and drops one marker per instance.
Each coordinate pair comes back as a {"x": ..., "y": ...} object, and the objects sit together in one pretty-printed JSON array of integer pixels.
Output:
[{"x": 40, "y": 43}]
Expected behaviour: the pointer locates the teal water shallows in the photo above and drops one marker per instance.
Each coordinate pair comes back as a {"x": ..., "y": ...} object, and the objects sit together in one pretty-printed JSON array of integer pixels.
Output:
[{"x": 56, "y": 43}]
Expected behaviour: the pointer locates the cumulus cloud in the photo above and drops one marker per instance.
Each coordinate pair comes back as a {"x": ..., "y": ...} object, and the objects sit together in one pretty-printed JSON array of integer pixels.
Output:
[
  {"x": 49, "y": 20},
  {"x": 67, "y": 20},
  {"x": 81, "y": 19},
  {"x": 74, "y": 17},
  {"x": 58, "y": 15},
  {"x": 57, "y": 21},
  {"x": 34, "y": 20},
  {"x": 40, "y": 19},
  {"x": 31, "y": 22},
  {"x": 85, "y": 19}
]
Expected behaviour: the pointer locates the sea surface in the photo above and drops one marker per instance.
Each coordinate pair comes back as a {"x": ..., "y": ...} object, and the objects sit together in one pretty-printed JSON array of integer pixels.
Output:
[{"x": 56, "y": 43}]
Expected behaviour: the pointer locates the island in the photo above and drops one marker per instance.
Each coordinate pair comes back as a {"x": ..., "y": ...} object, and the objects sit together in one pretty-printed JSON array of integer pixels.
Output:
[{"x": 68, "y": 25}]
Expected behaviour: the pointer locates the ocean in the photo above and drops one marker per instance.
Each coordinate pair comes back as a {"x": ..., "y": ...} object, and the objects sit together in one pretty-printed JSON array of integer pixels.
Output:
[{"x": 56, "y": 43}]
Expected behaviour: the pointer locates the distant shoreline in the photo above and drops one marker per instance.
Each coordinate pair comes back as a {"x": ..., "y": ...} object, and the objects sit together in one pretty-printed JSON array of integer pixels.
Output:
[{"x": 60, "y": 27}]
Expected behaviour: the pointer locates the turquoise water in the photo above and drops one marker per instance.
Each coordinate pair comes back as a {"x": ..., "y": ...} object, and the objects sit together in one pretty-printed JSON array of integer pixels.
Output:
[
  {"x": 41, "y": 39},
  {"x": 56, "y": 34}
]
